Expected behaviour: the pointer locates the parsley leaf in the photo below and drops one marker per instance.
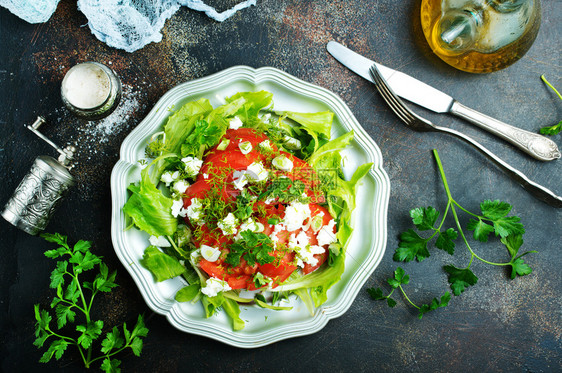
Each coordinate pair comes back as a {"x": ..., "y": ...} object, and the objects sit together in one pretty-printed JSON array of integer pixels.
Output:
[
  {"x": 518, "y": 266},
  {"x": 203, "y": 136},
  {"x": 555, "y": 129},
  {"x": 410, "y": 247},
  {"x": 110, "y": 365},
  {"x": 90, "y": 332},
  {"x": 481, "y": 230},
  {"x": 494, "y": 218},
  {"x": 284, "y": 190},
  {"x": 254, "y": 247},
  {"x": 445, "y": 241},
  {"x": 56, "y": 349},
  {"x": 435, "y": 304},
  {"x": 112, "y": 340},
  {"x": 460, "y": 278},
  {"x": 71, "y": 300},
  {"x": 401, "y": 278},
  {"x": 424, "y": 218}
]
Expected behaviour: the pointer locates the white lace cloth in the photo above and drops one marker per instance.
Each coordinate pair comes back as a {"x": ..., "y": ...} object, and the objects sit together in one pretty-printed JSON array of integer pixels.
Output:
[{"x": 123, "y": 24}]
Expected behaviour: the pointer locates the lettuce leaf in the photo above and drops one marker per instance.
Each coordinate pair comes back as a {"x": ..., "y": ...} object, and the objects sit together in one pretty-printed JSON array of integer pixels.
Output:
[
  {"x": 319, "y": 123},
  {"x": 162, "y": 266},
  {"x": 254, "y": 103},
  {"x": 182, "y": 122},
  {"x": 149, "y": 209},
  {"x": 232, "y": 309}
]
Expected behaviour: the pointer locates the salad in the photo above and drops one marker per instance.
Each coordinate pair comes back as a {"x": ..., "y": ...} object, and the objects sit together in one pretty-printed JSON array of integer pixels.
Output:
[{"x": 248, "y": 204}]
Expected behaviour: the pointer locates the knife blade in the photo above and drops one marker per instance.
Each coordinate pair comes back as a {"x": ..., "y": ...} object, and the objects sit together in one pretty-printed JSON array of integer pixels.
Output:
[{"x": 433, "y": 99}]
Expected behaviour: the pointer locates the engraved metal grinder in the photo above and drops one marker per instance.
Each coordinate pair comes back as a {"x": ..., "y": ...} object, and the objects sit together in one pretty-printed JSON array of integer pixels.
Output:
[{"x": 42, "y": 188}]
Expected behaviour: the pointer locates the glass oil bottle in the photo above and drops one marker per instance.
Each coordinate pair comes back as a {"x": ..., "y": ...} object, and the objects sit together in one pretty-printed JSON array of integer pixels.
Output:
[{"x": 480, "y": 36}]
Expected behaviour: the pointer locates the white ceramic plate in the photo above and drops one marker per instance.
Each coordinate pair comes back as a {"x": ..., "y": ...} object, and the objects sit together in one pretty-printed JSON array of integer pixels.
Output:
[{"x": 365, "y": 250}]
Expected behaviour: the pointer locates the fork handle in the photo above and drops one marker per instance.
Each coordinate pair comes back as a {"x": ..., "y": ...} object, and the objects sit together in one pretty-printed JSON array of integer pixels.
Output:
[
  {"x": 537, "y": 190},
  {"x": 536, "y": 145}
]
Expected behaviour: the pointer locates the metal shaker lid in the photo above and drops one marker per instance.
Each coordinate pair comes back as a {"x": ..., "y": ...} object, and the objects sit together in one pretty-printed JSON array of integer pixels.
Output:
[{"x": 55, "y": 169}]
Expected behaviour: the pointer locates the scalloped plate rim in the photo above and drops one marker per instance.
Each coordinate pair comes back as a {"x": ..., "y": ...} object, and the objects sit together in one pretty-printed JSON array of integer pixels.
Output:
[{"x": 153, "y": 120}]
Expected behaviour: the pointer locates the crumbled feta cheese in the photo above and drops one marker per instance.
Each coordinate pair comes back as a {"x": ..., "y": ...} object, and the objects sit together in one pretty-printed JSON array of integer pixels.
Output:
[
  {"x": 245, "y": 147},
  {"x": 292, "y": 143},
  {"x": 252, "y": 225},
  {"x": 235, "y": 123},
  {"x": 192, "y": 165},
  {"x": 282, "y": 163},
  {"x": 159, "y": 241},
  {"x": 261, "y": 280},
  {"x": 178, "y": 210},
  {"x": 195, "y": 256},
  {"x": 249, "y": 225},
  {"x": 239, "y": 179},
  {"x": 180, "y": 186},
  {"x": 228, "y": 224},
  {"x": 195, "y": 210},
  {"x": 295, "y": 214},
  {"x": 256, "y": 172},
  {"x": 265, "y": 145},
  {"x": 205, "y": 176},
  {"x": 326, "y": 235},
  {"x": 269, "y": 200},
  {"x": 276, "y": 230},
  {"x": 303, "y": 250},
  {"x": 214, "y": 286},
  {"x": 210, "y": 253},
  {"x": 169, "y": 177}
]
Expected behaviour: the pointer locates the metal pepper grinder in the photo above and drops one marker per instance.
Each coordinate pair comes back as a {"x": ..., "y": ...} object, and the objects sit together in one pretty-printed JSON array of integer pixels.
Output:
[{"x": 42, "y": 188}]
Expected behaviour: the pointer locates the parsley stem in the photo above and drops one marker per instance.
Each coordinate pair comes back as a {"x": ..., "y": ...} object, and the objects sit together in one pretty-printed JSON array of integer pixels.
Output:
[
  {"x": 550, "y": 85},
  {"x": 85, "y": 309},
  {"x": 61, "y": 336},
  {"x": 86, "y": 363},
  {"x": 442, "y": 172},
  {"x": 92, "y": 300},
  {"x": 452, "y": 203},
  {"x": 406, "y": 296}
]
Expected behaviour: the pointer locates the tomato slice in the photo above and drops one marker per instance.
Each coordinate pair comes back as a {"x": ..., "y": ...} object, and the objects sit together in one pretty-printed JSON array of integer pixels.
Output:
[
  {"x": 215, "y": 179},
  {"x": 281, "y": 268}
]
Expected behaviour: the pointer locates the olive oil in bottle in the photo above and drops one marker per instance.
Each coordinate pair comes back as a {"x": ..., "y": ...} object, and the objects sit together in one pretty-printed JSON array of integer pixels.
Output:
[{"x": 480, "y": 36}]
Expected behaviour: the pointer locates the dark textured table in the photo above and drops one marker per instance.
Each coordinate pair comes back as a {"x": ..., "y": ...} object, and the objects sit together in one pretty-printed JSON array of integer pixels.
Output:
[{"x": 497, "y": 325}]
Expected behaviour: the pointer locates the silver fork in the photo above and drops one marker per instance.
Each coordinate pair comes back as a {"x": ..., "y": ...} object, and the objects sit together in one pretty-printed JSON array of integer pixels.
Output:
[{"x": 420, "y": 124}]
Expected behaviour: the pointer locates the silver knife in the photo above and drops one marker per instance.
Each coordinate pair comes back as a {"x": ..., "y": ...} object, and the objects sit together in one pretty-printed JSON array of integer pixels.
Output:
[{"x": 413, "y": 90}]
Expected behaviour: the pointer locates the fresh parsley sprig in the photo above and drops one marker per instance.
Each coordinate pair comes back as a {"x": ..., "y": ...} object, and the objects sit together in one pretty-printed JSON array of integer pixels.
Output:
[
  {"x": 254, "y": 247},
  {"x": 74, "y": 301},
  {"x": 556, "y": 128},
  {"x": 493, "y": 218},
  {"x": 401, "y": 278}
]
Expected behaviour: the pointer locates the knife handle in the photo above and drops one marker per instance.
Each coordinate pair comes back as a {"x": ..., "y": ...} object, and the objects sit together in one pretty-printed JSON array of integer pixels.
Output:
[{"x": 536, "y": 145}]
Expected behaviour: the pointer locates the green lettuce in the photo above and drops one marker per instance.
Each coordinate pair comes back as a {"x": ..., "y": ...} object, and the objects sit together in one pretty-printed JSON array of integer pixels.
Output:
[
  {"x": 319, "y": 123},
  {"x": 162, "y": 266},
  {"x": 182, "y": 122},
  {"x": 149, "y": 209}
]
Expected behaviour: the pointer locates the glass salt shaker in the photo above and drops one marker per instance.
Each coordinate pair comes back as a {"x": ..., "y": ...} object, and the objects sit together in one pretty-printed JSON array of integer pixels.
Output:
[
  {"x": 42, "y": 189},
  {"x": 91, "y": 90}
]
